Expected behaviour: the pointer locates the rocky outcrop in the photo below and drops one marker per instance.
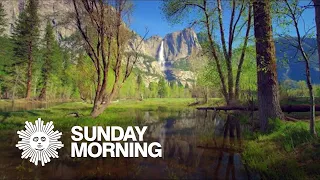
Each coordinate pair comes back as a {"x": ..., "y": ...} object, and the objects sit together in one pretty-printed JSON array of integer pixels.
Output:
[
  {"x": 57, "y": 11},
  {"x": 152, "y": 45},
  {"x": 185, "y": 77},
  {"x": 181, "y": 44},
  {"x": 177, "y": 45}
]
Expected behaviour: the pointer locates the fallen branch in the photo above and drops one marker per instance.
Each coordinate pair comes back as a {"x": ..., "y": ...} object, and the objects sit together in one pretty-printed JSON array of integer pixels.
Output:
[{"x": 287, "y": 118}]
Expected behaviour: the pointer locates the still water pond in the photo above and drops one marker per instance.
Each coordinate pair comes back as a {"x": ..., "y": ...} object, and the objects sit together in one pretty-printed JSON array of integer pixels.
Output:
[{"x": 196, "y": 145}]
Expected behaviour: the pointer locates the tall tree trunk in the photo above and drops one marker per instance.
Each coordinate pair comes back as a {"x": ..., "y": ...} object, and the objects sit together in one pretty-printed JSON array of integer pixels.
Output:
[
  {"x": 311, "y": 94},
  {"x": 317, "y": 18},
  {"x": 43, "y": 93},
  {"x": 214, "y": 53},
  {"x": 98, "y": 109},
  {"x": 227, "y": 54},
  {"x": 268, "y": 94},
  {"x": 312, "y": 102},
  {"x": 29, "y": 71},
  {"x": 14, "y": 85}
]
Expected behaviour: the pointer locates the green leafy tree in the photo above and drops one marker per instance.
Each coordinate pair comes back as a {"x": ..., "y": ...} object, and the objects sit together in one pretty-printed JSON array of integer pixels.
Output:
[
  {"x": 294, "y": 19},
  {"x": 3, "y": 21},
  {"x": 163, "y": 88},
  {"x": 6, "y": 71},
  {"x": 140, "y": 86},
  {"x": 211, "y": 16},
  {"x": 153, "y": 90},
  {"x": 174, "y": 89},
  {"x": 25, "y": 38}
]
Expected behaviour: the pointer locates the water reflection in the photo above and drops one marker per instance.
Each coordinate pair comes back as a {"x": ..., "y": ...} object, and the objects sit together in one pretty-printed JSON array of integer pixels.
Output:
[{"x": 196, "y": 145}]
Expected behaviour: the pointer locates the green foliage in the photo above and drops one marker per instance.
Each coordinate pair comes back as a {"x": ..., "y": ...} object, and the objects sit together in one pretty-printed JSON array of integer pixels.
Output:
[
  {"x": 273, "y": 155},
  {"x": 26, "y": 32},
  {"x": 51, "y": 64},
  {"x": 153, "y": 90},
  {"x": 25, "y": 46},
  {"x": 141, "y": 88},
  {"x": 3, "y": 21},
  {"x": 265, "y": 159},
  {"x": 248, "y": 79},
  {"x": 274, "y": 125},
  {"x": 12, "y": 75},
  {"x": 131, "y": 88},
  {"x": 52, "y": 54},
  {"x": 207, "y": 76},
  {"x": 6, "y": 54},
  {"x": 163, "y": 89},
  {"x": 290, "y": 88}
]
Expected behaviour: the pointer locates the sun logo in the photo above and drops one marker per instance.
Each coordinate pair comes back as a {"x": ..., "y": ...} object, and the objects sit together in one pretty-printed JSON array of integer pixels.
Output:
[{"x": 39, "y": 142}]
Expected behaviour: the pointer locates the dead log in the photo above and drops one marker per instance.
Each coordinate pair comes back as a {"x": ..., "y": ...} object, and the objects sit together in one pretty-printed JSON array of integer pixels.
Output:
[
  {"x": 228, "y": 108},
  {"x": 287, "y": 118},
  {"x": 285, "y": 108}
]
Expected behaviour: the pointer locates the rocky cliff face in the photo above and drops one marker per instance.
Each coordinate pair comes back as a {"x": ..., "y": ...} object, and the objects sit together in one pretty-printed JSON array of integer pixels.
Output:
[
  {"x": 57, "y": 11},
  {"x": 177, "y": 46}
]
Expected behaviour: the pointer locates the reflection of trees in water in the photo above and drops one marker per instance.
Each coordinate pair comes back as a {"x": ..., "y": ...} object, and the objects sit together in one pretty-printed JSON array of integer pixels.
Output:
[
  {"x": 232, "y": 132},
  {"x": 180, "y": 140},
  {"x": 179, "y": 135},
  {"x": 232, "y": 127}
]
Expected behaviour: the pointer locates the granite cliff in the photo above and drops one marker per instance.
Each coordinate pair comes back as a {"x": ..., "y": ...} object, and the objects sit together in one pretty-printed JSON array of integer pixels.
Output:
[{"x": 177, "y": 46}]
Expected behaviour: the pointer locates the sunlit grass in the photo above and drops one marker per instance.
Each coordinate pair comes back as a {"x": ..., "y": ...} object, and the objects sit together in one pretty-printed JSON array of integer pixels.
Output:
[
  {"x": 277, "y": 155},
  {"x": 288, "y": 151},
  {"x": 121, "y": 113}
]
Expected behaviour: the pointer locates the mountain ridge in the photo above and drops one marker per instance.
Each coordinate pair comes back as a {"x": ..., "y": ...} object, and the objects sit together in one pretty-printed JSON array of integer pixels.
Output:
[{"x": 60, "y": 14}]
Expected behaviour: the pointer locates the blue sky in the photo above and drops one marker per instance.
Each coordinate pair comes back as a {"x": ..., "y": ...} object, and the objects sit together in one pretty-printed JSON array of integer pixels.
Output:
[{"x": 147, "y": 13}]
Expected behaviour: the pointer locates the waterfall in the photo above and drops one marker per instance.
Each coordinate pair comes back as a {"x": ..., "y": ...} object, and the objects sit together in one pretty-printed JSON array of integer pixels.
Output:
[{"x": 161, "y": 59}]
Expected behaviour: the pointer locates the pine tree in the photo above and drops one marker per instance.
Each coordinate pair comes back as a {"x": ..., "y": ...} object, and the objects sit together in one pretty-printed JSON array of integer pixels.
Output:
[
  {"x": 163, "y": 88},
  {"x": 50, "y": 58},
  {"x": 3, "y": 21},
  {"x": 25, "y": 37},
  {"x": 153, "y": 88},
  {"x": 140, "y": 86}
]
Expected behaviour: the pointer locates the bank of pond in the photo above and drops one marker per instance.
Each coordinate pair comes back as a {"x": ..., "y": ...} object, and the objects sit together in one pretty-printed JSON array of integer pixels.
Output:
[{"x": 195, "y": 144}]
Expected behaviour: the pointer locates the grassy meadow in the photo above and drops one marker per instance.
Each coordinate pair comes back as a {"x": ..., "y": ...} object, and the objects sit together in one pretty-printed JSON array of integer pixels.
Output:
[{"x": 286, "y": 152}]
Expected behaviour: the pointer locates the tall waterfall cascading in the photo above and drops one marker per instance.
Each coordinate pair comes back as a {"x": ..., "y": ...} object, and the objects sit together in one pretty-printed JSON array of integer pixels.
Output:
[{"x": 161, "y": 59}]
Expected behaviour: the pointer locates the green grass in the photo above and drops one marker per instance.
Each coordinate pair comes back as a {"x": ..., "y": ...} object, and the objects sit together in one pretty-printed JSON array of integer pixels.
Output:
[
  {"x": 121, "y": 113},
  {"x": 284, "y": 153}
]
